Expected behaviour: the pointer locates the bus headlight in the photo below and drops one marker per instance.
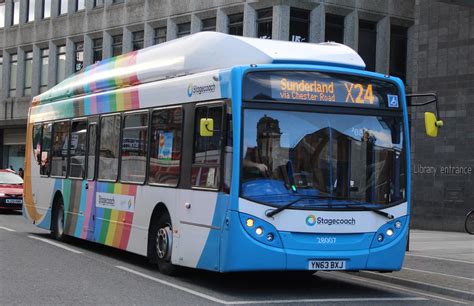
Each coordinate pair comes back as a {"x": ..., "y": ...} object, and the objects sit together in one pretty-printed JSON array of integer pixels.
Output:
[
  {"x": 259, "y": 231},
  {"x": 389, "y": 232},
  {"x": 380, "y": 238},
  {"x": 270, "y": 237},
  {"x": 398, "y": 224}
]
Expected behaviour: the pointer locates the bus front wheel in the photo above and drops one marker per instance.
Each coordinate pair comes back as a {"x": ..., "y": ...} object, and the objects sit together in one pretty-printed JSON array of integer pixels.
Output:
[
  {"x": 57, "y": 227},
  {"x": 162, "y": 235}
]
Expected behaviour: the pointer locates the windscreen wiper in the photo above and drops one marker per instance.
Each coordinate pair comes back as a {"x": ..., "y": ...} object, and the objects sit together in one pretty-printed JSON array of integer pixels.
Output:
[{"x": 275, "y": 211}]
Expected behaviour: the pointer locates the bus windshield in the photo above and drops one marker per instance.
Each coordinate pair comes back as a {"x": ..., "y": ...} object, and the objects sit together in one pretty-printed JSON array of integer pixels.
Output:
[{"x": 325, "y": 159}]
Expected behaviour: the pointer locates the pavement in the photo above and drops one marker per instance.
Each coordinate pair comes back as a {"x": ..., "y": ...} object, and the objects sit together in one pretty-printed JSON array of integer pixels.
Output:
[{"x": 438, "y": 262}]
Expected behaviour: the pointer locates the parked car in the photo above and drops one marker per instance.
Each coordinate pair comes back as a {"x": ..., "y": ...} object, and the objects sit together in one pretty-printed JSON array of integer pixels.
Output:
[{"x": 11, "y": 190}]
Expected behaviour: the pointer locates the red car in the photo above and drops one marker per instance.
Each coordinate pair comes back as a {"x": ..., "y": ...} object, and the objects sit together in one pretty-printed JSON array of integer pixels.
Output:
[{"x": 11, "y": 190}]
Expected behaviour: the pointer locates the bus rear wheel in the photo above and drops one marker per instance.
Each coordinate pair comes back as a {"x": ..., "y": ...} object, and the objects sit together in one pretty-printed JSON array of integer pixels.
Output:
[
  {"x": 57, "y": 227},
  {"x": 162, "y": 244}
]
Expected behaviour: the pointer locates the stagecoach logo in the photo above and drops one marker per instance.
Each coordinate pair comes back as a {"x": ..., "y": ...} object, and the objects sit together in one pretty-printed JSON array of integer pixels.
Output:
[
  {"x": 115, "y": 201},
  {"x": 199, "y": 90},
  {"x": 311, "y": 220}
]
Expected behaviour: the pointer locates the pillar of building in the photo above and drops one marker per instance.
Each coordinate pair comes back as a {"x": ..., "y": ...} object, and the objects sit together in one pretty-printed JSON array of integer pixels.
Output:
[
  {"x": 71, "y": 6},
  {"x": 317, "y": 22},
  {"x": 88, "y": 51},
  {"x": 148, "y": 33},
  {"x": 8, "y": 14},
  {"x": 171, "y": 29},
  {"x": 70, "y": 57},
  {"x": 55, "y": 8},
  {"x": 351, "y": 30},
  {"x": 24, "y": 6},
  {"x": 250, "y": 21},
  {"x": 38, "y": 10},
  {"x": 196, "y": 24},
  {"x": 106, "y": 45},
  {"x": 127, "y": 41},
  {"x": 5, "y": 76},
  {"x": 382, "y": 49},
  {"x": 20, "y": 73},
  {"x": 36, "y": 71},
  {"x": 281, "y": 22},
  {"x": 222, "y": 21},
  {"x": 52, "y": 66}
]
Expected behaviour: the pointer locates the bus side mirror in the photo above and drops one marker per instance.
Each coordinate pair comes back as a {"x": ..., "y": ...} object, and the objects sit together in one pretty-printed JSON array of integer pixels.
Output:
[
  {"x": 206, "y": 127},
  {"x": 432, "y": 124}
]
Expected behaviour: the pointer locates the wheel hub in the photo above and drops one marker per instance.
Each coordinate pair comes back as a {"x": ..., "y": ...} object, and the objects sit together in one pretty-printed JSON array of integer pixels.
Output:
[{"x": 164, "y": 240}]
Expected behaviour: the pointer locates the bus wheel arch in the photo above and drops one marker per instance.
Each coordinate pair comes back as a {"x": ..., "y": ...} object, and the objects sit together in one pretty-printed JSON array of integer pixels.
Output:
[
  {"x": 160, "y": 240},
  {"x": 57, "y": 217}
]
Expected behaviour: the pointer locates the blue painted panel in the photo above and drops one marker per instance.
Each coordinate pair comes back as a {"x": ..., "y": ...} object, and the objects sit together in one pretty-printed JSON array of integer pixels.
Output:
[{"x": 310, "y": 241}]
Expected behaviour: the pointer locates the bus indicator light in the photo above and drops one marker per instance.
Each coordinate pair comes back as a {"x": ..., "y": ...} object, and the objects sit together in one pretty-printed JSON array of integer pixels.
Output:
[{"x": 250, "y": 222}]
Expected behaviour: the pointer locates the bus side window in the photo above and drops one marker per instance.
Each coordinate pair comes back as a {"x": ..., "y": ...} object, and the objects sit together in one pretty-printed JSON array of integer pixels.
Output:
[
  {"x": 91, "y": 149},
  {"x": 109, "y": 147},
  {"x": 165, "y": 153},
  {"x": 37, "y": 129},
  {"x": 134, "y": 148},
  {"x": 59, "y": 154},
  {"x": 228, "y": 148},
  {"x": 205, "y": 171},
  {"x": 78, "y": 149},
  {"x": 45, "y": 149}
]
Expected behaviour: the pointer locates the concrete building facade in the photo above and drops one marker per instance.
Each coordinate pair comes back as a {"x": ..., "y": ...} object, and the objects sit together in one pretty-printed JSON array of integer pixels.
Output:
[{"x": 44, "y": 41}]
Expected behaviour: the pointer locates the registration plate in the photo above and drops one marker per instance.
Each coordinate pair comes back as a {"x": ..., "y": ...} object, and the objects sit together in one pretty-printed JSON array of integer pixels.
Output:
[
  {"x": 14, "y": 201},
  {"x": 327, "y": 265}
]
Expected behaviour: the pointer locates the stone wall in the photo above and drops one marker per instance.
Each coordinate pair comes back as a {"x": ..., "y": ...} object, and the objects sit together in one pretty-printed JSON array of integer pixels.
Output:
[{"x": 443, "y": 167}]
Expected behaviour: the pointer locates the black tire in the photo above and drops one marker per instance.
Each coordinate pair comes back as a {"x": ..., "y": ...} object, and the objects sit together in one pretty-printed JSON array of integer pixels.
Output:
[
  {"x": 161, "y": 239},
  {"x": 469, "y": 223},
  {"x": 57, "y": 226}
]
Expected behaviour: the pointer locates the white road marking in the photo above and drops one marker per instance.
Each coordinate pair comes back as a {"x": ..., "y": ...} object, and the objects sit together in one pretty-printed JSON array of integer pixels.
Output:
[
  {"x": 440, "y": 258},
  {"x": 193, "y": 292},
  {"x": 217, "y": 300},
  {"x": 359, "y": 280},
  {"x": 7, "y": 229},
  {"x": 346, "y": 300},
  {"x": 442, "y": 274},
  {"x": 56, "y": 244}
]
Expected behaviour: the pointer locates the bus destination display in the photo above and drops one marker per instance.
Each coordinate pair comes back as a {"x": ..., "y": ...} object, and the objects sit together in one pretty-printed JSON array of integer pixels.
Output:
[
  {"x": 320, "y": 88},
  {"x": 324, "y": 91}
]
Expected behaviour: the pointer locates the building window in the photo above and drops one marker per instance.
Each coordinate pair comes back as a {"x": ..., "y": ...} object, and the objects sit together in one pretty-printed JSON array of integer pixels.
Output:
[
  {"x": 30, "y": 15},
  {"x": 117, "y": 1},
  {"x": 2, "y": 14},
  {"x": 398, "y": 51},
  {"x": 98, "y": 3},
  {"x": 78, "y": 149},
  {"x": 16, "y": 12},
  {"x": 137, "y": 40},
  {"x": 209, "y": 24},
  {"x": 78, "y": 56},
  {"x": 334, "y": 28},
  {"x": 183, "y": 29},
  {"x": 46, "y": 9},
  {"x": 109, "y": 147},
  {"x": 59, "y": 154},
  {"x": 44, "y": 70},
  {"x": 236, "y": 24},
  {"x": 264, "y": 23},
  {"x": 63, "y": 7},
  {"x": 13, "y": 72},
  {"x": 160, "y": 35},
  {"x": 134, "y": 148},
  {"x": 299, "y": 25},
  {"x": 61, "y": 64},
  {"x": 117, "y": 42},
  {"x": 368, "y": 42},
  {"x": 80, "y": 5},
  {"x": 97, "y": 50},
  {"x": 165, "y": 153},
  {"x": 28, "y": 72}
]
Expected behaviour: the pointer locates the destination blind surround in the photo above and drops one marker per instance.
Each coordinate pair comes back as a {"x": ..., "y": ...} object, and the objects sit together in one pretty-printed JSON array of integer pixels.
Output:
[{"x": 319, "y": 88}]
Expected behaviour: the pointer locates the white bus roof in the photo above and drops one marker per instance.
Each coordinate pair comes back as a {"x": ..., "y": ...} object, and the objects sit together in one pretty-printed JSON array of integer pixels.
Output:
[{"x": 195, "y": 53}]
